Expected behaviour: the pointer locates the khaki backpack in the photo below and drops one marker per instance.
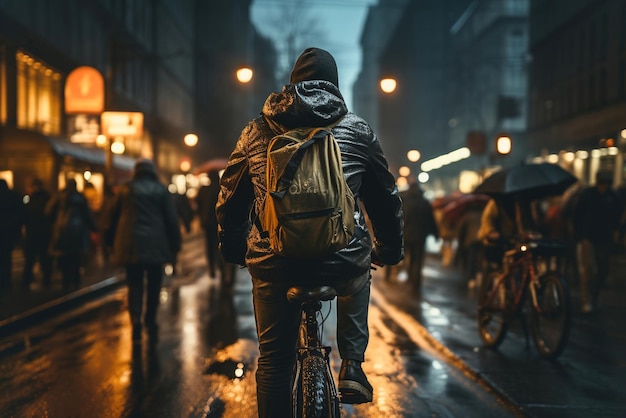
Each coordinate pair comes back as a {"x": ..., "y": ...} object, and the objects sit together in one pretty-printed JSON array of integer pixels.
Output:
[{"x": 308, "y": 211}]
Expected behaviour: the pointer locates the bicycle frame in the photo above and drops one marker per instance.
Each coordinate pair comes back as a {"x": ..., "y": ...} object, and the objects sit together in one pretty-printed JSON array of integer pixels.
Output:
[
  {"x": 513, "y": 259},
  {"x": 503, "y": 295}
]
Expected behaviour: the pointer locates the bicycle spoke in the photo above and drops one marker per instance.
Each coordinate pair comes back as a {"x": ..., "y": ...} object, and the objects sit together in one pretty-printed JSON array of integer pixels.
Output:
[
  {"x": 492, "y": 323},
  {"x": 551, "y": 317}
]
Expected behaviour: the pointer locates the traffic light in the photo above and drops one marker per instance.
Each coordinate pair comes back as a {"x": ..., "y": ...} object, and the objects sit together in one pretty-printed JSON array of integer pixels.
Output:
[{"x": 503, "y": 144}]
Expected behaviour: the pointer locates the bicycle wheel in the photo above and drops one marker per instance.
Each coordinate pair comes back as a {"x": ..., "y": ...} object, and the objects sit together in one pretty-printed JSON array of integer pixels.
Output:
[
  {"x": 316, "y": 399},
  {"x": 492, "y": 321},
  {"x": 550, "y": 322}
]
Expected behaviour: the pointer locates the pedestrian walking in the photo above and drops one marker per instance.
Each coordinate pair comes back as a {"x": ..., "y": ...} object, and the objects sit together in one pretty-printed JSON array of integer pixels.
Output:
[
  {"x": 37, "y": 231},
  {"x": 146, "y": 236},
  {"x": 72, "y": 224},
  {"x": 11, "y": 220},
  {"x": 419, "y": 223},
  {"x": 312, "y": 99},
  {"x": 206, "y": 200},
  {"x": 596, "y": 219},
  {"x": 469, "y": 246}
]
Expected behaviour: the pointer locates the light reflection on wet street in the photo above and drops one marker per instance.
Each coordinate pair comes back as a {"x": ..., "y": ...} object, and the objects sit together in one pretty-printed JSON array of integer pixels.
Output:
[{"x": 83, "y": 363}]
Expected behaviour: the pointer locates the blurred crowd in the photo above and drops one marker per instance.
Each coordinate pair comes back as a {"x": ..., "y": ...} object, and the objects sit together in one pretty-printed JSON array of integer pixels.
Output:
[
  {"x": 589, "y": 219},
  {"x": 60, "y": 233}
]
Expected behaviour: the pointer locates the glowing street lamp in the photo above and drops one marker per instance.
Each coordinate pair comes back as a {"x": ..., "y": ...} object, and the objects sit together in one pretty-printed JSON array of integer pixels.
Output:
[
  {"x": 118, "y": 148},
  {"x": 388, "y": 85},
  {"x": 185, "y": 165},
  {"x": 503, "y": 144},
  {"x": 413, "y": 155},
  {"x": 191, "y": 140},
  {"x": 244, "y": 75}
]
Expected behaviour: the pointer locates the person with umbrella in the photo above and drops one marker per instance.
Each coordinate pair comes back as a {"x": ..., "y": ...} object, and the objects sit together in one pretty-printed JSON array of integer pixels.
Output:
[{"x": 509, "y": 212}]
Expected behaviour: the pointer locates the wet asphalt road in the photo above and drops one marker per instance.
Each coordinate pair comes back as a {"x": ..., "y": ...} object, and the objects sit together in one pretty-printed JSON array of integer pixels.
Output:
[{"x": 82, "y": 363}]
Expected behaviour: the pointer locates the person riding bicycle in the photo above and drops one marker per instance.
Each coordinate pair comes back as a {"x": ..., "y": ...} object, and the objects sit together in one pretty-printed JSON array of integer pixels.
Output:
[
  {"x": 503, "y": 219},
  {"x": 311, "y": 99}
]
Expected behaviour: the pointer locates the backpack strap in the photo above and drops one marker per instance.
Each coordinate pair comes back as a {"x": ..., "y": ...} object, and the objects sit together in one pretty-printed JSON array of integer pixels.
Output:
[{"x": 290, "y": 170}]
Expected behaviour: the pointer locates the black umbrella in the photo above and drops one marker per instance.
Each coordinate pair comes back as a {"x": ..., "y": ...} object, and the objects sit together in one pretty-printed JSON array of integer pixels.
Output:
[{"x": 532, "y": 181}]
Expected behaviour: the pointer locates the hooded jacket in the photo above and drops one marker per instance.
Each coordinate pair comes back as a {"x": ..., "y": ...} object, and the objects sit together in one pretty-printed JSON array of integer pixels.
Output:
[{"x": 310, "y": 103}]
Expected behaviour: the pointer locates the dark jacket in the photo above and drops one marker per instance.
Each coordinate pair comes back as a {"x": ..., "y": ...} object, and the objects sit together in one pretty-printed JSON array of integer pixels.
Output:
[
  {"x": 11, "y": 216},
  {"x": 419, "y": 219},
  {"x": 206, "y": 200},
  {"x": 72, "y": 223},
  {"x": 310, "y": 104},
  {"x": 597, "y": 215},
  {"x": 37, "y": 225},
  {"x": 144, "y": 219}
]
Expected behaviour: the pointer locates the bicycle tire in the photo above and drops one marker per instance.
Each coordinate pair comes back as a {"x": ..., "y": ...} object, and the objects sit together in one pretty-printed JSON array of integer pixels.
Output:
[
  {"x": 316, "y": 395},
  {"x": 551, "y": 326},
  {"x": 492, "y": 318}
]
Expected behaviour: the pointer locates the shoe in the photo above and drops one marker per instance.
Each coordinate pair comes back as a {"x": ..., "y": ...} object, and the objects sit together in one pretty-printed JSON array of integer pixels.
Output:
[{"x": 353, "y": 385}]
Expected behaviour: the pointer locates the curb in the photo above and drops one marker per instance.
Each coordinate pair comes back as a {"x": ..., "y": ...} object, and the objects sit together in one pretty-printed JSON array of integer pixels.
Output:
[
  {"x": 58, "y": 305},
  {"x": 471, "y": 372},
  {"x": 460, "y": 364}
]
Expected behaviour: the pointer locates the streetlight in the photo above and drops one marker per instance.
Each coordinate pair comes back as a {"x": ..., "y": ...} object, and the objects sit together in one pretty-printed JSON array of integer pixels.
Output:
[
  {"x": 191, "y": 140},
  {"x": 244, "y": 75},
  {"x": 388, "y": 85},
  {"x": 503, "y": 144},
  {"x": 413, "y": 155}
]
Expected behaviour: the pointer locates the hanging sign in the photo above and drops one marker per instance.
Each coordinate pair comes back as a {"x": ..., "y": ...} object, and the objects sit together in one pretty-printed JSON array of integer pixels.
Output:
[
  {"x": 126, "y": 124},
  {"x": 84, "y": 91}
]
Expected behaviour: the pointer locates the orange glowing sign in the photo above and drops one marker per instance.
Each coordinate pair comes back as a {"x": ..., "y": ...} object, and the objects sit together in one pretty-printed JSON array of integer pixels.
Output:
[
  {"x": 84, "y": 91},
  {"x": 126, "y": 124}
]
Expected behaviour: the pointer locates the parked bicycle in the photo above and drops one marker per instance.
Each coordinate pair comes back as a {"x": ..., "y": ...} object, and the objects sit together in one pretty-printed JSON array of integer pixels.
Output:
[
  {"x": 314, "y": 393},
  {"x": 503, "y": 295}
]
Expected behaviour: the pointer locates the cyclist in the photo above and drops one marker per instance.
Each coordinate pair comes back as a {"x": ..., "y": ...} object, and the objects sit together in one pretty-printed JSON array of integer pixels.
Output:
[
  {"x": 503, "y": 219},
  {"x": 311, "y": 99}
]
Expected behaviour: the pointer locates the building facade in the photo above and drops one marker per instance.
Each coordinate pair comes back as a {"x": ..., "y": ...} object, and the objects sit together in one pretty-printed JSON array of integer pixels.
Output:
[
  {"x": 578, "y": 85},
  {"x": 163, "y": 58}
]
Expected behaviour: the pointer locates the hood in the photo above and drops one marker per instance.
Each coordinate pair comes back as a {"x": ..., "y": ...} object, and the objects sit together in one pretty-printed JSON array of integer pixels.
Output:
[
  {"x": 308, "y": 103},
  {"x": 145, "y": 167}
]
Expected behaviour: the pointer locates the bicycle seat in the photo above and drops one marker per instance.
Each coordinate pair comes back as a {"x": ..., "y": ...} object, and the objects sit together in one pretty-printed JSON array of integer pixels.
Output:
[{"x": 304, "y": 294}]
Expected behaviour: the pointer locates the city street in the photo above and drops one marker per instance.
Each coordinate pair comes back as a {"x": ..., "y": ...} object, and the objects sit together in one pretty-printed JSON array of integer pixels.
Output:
[{"x": 424, "y": 358}]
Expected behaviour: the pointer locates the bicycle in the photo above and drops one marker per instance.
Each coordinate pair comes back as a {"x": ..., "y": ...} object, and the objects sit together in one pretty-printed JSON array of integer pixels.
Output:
[
  {"x": 503, "y": 295},
  {"x": 314, "y": 393}
]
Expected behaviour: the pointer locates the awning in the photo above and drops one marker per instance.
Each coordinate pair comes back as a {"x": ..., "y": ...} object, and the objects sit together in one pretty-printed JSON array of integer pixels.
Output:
[{"x": 91, "y": 155}]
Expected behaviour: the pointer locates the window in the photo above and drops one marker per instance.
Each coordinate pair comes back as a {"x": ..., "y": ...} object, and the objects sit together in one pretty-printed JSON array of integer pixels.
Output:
[{"x": 38, "y": 96}]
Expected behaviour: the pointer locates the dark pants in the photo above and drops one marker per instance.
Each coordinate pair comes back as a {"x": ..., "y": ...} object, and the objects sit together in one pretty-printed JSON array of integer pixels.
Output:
[
  {"x": 594, "y": 260},
  {"x": 70, "y": 270},
  {"x": 6, "y": 265},
  {"x": 277, "y": 323},
  {"x": 135, "y": 282},
  {"x": 212, "y": 251},
  {"x": 415, "y": 254},
  {"x": 36, "y": 250}
]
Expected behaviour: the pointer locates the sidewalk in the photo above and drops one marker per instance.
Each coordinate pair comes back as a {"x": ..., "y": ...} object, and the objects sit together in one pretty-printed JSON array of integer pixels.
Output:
[
  {"x": 24, "y": 307},
  {"x": 20, "y": 307},
  {"x": 589, "y": 366}
]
